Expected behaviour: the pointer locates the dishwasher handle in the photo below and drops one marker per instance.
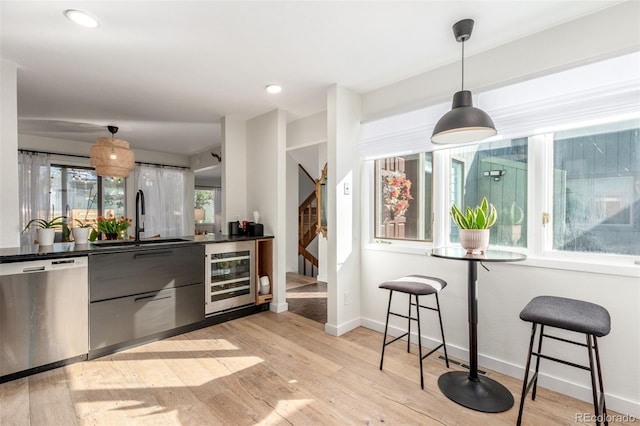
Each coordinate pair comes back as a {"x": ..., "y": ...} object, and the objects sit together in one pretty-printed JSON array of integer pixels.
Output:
[{"x": 35, "y": 266}]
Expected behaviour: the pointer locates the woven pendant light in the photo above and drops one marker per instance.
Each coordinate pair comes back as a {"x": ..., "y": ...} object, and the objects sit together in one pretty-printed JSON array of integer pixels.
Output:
[{"x": 112, "y": 157}]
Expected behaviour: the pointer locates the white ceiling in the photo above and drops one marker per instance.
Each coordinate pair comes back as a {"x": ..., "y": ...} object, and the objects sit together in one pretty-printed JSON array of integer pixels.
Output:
[{"x": 165, "y": 72}]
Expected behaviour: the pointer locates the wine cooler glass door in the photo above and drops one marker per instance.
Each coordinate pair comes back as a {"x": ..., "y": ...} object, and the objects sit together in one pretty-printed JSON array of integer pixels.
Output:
[{"x": 231, "y": 277}]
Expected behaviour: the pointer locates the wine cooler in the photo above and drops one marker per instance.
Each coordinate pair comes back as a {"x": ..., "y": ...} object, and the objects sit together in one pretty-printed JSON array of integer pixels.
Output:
[{"x": 230, "y": 276}]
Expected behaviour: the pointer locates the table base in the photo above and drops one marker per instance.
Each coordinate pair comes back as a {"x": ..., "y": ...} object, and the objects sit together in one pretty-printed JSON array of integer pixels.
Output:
[{"x": 485, "y": 395}]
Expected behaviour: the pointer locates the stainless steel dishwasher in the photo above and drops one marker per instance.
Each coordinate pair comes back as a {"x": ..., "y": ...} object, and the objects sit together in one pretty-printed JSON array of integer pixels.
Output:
[{"x": 43, "y": 314}]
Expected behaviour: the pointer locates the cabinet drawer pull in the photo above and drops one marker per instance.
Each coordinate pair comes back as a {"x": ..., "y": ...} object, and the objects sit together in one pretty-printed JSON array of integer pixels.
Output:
[
  {"x": 154, "y": 254},
  {"x": 138, "y": 299}
]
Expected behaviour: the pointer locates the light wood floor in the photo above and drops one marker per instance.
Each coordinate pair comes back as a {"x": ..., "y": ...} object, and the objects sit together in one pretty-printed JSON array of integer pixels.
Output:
[{"x": 264, "y": 369}]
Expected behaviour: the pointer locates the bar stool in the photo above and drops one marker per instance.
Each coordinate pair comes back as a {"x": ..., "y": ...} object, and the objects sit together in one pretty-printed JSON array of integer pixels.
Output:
[
  {"x": 574, "y": 315},
  {"x": 414, "y": 285}
]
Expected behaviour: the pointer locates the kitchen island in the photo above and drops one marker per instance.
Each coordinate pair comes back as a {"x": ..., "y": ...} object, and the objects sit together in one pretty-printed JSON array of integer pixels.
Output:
[{"x": 133, "y": 292}]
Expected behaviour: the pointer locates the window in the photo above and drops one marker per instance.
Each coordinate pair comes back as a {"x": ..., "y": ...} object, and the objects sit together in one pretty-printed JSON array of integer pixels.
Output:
[
  {"x": 498, "y": 171},
  {"x": 404, "y": 197},
  {"x": 113, "y": 196},
  {"x": 204, "y": 205},
  {"x": 596, "y": 191},
  {"x": 580, "y": 183},
  {"x": 80, "y": 195}
]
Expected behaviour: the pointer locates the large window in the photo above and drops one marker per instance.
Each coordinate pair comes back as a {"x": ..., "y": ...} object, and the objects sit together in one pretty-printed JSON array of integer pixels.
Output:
[
  {"x": 596, "y": 195},
  {"x": 80, "y": 195},
  {"x": 498, "y": 171},
  {"x": 403, "y": 197},
  {"x": 563, "y": 172}
]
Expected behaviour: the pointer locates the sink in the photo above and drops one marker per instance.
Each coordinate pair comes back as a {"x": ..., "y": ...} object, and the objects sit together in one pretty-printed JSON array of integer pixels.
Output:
[{"x": 131, "y": 243}]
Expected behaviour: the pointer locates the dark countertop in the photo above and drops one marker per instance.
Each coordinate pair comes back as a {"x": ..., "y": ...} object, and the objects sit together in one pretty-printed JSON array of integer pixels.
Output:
[{"x": 61, "y": 250}]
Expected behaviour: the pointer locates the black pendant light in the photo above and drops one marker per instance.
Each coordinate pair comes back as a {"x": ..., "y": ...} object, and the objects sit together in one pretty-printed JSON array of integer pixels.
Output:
[{"x": 463, "y": 123}]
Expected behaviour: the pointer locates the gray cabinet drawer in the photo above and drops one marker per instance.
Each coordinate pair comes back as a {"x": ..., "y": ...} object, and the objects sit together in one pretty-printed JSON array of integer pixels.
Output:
[
  {"x": 128, "y": 318},
  {"x": 114, "y": 275}
]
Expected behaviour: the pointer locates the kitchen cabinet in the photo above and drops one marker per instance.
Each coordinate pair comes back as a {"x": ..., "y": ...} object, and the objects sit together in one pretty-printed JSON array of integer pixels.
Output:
[
  {"x": 140, "y": 294},
  {"x": 264, "y": 268},
  {"x": 134, "y": 317}
]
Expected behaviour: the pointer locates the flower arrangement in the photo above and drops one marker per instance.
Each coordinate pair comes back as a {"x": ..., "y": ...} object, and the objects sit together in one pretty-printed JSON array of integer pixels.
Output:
[
  {"x": 111, "y": 226},
  {"x": 396, "y": 191}
]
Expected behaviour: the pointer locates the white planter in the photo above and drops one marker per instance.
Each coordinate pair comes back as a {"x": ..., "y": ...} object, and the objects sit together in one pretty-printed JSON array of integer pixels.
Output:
[
  {"x": 80, "y": 235},
  {"x": 474, "y": 240},
  {"x": 45, "y": 236}
]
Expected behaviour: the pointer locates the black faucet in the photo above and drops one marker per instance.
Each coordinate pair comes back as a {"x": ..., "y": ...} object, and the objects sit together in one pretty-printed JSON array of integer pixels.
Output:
[{"x": 139, "y": 210}]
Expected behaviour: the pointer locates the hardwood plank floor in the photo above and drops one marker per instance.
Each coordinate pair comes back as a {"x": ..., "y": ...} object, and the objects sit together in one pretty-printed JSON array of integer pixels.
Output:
[
  {"x": 307, "y": 297},
  {"x": 263, "y": 369}
]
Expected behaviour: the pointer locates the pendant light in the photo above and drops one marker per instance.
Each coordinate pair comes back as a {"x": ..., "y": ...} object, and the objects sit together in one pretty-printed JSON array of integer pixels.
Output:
[
  {"x": 463, "y": 123},
  {"x": 111, "y": 156}
]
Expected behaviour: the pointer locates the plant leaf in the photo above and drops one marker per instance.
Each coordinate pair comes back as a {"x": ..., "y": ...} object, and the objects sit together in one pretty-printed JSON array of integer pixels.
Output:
[
  {"x": 493, "y": 216},
  {"x": 458, "y": 217},
  {"x": 471, "y": 218},
  {"x": 484, "y": 206},
  {"x": 481, "y": 219}
]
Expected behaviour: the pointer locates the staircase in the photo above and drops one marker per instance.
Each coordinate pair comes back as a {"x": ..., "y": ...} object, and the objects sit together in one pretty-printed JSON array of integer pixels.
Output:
[{"x": 307, "y": 230}]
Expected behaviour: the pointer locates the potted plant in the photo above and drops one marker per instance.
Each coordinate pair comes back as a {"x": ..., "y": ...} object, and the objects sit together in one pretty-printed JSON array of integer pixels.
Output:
[
  {"x": 81, "y": 231},
  {"x": 511, "y": 226},
  {"x": 474, "y": 225},
  {"x": 113, "y": 228},
  {"x": 45, "y": 232}
]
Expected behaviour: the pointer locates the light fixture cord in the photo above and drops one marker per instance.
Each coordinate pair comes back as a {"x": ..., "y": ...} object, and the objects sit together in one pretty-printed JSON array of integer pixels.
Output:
[{"x": 462, "y": 65}]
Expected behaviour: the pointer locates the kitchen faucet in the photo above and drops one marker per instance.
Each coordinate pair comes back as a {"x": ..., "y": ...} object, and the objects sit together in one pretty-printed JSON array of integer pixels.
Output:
[{"x": 139, "y": 211}]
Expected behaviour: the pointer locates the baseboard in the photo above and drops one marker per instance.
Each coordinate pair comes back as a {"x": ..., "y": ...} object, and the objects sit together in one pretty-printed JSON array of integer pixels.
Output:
[
  {"x": 279, "y": 308},
  {"x": 574, "y": 390},
  {"x": 342, "y": 328}
]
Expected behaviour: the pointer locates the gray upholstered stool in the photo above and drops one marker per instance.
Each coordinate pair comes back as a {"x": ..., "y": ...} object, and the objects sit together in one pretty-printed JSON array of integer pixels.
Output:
[
  {"x": 414, "y": 285},
  {"x": 573, "y": 315}
]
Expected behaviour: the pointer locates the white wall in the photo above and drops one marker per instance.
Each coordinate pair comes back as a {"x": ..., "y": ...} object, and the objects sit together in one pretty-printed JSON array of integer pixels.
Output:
[
  {"x": 292, "y": 215},
  {"x": 9, "y": 217},
  {"x": 234, "y": 171},
  {"x": 307, "y": 131},
  {"x": 266, "y": 189},
  {"x": 64, "y": 146},
  {"x": 507, "y": 288},
  {"x": 601, "y": 35},
  {"x": 503, "y": 339},
  {"x": 343, "y": 211}
]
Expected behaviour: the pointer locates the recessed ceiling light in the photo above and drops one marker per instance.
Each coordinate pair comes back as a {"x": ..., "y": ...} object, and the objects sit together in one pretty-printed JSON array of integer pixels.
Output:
[
  {"x": 81, "y": 18},
  {"x": 273, "y": 88}
]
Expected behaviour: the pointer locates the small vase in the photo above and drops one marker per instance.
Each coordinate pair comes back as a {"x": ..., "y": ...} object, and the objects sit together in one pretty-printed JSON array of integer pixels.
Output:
[
  {"x": 474, "y": 240},
  {"x": 122, "y": 235},
  {"x": 111, "y": 236},
  {"x": 80, "y": 235},
  {"x": 45, "y": 236}
]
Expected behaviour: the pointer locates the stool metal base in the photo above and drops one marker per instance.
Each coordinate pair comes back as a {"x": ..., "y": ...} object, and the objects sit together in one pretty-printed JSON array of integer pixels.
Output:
[{"x": 481, "y": 394}]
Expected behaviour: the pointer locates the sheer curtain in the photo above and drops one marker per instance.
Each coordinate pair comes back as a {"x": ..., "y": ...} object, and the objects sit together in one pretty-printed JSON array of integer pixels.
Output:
[
  {"x": 34, "y": 174},
  {"x": 169, "y": 200}
]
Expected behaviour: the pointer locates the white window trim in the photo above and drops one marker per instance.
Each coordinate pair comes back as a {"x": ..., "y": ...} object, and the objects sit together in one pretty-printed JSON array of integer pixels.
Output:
[
  {"x": 615, "y": 95},
  {"x": 539, "y": 238}
]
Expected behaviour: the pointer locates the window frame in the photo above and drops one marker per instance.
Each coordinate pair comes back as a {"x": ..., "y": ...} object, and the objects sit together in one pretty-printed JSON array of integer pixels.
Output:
[
  {"x": 100, "y": 187},
  {"x": 421, "y": 201},
  {"x": 539, "y": 250}
]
